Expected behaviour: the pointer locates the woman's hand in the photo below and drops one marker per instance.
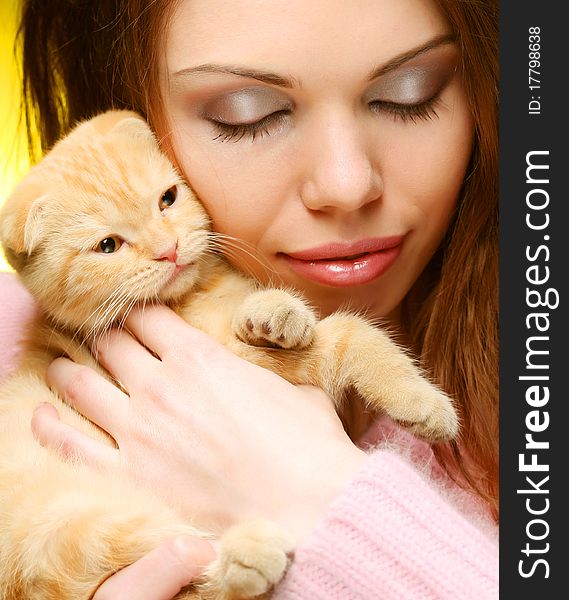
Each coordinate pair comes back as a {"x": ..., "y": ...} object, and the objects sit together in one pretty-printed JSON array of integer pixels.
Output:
[
  {"x": 162, "y": 573},
  {"x": 221, "y": 439}
]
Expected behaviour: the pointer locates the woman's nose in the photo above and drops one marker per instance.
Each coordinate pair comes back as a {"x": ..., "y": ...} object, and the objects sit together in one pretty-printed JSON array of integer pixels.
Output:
[{"x": 340, "y": 173}]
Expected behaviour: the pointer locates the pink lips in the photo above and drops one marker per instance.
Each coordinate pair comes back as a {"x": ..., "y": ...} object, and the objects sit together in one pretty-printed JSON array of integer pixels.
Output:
[{"x": 342, "y": 264}]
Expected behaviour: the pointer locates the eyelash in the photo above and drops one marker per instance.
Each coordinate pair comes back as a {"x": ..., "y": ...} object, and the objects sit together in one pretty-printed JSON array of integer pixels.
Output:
[
  {"x": 404, "y": 112},
  {"x": 409, "y": 112},
  {"x": 235, "y": 133}
]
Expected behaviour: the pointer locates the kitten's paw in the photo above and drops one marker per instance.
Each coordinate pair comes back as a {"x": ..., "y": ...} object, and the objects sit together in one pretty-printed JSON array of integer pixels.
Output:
[
  {"x": 253, "y": 558},
  {"x": 274, "y": 318},
  {"x": 425, "y": 411}
]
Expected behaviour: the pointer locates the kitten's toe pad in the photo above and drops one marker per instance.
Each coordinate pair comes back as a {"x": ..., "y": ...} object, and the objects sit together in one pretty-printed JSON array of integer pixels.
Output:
[
  {"x": 252, "y": 559},
  {"x": 425, "y": 411},
  {"x": 440, "y": 425},
  {"x": 274, "y": 318}
]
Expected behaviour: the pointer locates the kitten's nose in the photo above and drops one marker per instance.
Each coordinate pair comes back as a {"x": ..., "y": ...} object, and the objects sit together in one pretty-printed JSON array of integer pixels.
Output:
[{"x": 171, "y": 254}]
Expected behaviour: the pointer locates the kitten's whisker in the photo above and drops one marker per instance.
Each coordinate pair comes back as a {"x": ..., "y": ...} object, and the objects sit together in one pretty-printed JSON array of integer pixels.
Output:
[
  {"x": 247, "y": 269},
  {"x": 231, "y": 238},
  {"x": 110, "y": 298},
  {"x": 222, "y": 241},
  {"x": 110, "y": 305},
  {"x": 233, "y": 248},
  {"x": 51, "y": 334},
  {"x": 108, "y": 310},
  {"x": 104, "y": 323},
  {"x": 225, "y": 247},
  {"x": 127, "y": 311},
  {"x": 101, "y": 311},
  {"x": 111, "y": 316}
]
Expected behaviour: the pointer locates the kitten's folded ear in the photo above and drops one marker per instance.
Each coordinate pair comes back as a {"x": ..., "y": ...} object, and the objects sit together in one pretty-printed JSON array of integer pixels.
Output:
[
  {"x": 121, "y": 122},
  {"x": 21, "y": 222},
  {"x": 135, "y": 127}
]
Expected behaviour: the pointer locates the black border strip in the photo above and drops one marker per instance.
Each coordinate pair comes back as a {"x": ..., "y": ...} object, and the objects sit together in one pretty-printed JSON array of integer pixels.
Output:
[{"x": 534, "y": 259}]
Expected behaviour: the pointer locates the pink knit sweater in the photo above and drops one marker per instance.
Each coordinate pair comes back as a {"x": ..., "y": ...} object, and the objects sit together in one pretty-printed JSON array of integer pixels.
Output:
[{"x": 399, "y": 531}]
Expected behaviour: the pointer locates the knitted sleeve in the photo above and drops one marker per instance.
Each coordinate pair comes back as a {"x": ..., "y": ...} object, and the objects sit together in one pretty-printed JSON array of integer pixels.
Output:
[
  {"x": 394, "y": 534},
  {"x": 16, "y": 309}
]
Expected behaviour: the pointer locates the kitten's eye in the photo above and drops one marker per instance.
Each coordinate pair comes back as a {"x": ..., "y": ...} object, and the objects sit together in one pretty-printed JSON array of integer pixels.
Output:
[
  {"x": 109, "y": 245},
  {"x": 168, "y": 198}
]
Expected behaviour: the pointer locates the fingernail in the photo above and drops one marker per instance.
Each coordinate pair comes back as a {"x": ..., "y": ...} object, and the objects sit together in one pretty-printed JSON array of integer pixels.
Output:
[
  {"x": 46, "y": 406},
  {"x": 194, "y": 550}
]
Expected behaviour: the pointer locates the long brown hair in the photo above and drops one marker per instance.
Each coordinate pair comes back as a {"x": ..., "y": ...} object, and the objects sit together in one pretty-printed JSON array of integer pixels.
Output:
[
  {"x": 81, "y": 57},
  {"x": 458, "y": 332}
]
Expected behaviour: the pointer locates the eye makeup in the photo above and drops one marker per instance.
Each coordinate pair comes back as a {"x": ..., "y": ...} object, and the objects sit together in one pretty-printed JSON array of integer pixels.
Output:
[
  {"x": 416, "y": 80},
  {"x": 412, "y": 91},
  {"x": 246, "y": 106},
  {"x": 237, "y": 131},
  {"x": 407, "y": 88},
  {"x": 251, "y": 111}
]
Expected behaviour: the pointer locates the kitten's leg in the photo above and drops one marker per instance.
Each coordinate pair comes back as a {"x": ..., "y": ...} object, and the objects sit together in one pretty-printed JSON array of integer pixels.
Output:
[
  {"x": 253, "y": 558},
  {"x": 349, "y": 352},
  {"x": 274, "y": 318},
  {"x": 63, "y": 528}
]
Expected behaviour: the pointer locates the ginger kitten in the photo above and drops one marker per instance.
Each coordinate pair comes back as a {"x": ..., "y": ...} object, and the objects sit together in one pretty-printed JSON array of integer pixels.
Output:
[{"x": 105, "y": 222}]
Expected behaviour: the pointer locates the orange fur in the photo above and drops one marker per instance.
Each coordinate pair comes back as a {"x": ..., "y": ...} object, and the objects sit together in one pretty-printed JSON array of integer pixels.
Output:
[{"x": 64, "y": 529}]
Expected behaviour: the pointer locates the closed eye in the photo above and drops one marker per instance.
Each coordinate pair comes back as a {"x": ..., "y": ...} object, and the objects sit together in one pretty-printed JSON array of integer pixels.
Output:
[
  {"x": 237, "y": 131},
  {"x": 408, "y": 112}
]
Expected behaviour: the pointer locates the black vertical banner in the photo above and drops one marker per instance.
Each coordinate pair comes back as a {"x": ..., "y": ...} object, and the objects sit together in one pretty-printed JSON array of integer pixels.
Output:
[{"x": 534, "y": 372}]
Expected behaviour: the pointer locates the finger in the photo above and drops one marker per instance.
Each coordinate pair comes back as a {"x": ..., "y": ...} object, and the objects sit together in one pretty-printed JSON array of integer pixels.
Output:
[
  {"x": 316, "y": 394},
  {"x": 69, "y": 443},
  {"x": 163, "y": 331},
  {"x": 125, "y": 358},
  {"x": 162, "y": 573},
  {"x": 90, "y": 394}
]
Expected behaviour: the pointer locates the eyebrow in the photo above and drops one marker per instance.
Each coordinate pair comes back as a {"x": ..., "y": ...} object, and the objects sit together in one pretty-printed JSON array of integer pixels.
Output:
[
  {"x": 264, "y": 76},
  {"x": 401, "y": 59},
  {"x": 292, "y": 82}
]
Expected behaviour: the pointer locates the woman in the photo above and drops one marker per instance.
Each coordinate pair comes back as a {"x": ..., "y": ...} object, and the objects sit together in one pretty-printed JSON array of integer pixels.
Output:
[{"x": 353, "y": 145}]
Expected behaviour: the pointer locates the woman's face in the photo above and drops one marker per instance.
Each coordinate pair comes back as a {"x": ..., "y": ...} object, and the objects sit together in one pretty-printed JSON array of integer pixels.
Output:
[{"x": 332, "y": 137}]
